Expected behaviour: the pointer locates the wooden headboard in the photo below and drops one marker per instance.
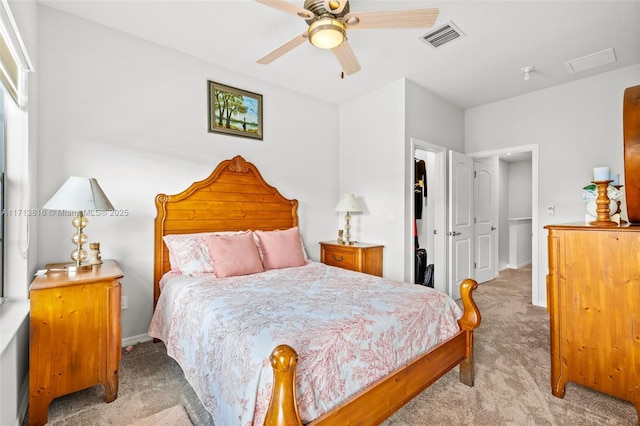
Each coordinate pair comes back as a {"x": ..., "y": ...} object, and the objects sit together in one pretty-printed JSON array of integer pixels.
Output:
[{"x": 234, "y": 197}]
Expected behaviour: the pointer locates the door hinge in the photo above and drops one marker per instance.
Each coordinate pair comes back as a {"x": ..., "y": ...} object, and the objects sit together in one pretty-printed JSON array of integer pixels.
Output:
[
  {"x": 475, "y": 266},
  {"x": 475, "y": 174}
]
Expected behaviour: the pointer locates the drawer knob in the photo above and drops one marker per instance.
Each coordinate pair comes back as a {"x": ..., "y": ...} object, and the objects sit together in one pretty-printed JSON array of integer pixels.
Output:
[{"x": 340, "y": 259}]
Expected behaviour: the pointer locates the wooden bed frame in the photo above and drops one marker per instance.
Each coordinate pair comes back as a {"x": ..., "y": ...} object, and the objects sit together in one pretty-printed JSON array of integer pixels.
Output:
[{"x": 235, "y": 198}]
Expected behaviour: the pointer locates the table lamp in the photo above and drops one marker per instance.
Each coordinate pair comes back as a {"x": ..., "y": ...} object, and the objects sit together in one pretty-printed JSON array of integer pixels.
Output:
[
  {"x": 348, "y": 203},
  {"x": 79, "y": 195}
]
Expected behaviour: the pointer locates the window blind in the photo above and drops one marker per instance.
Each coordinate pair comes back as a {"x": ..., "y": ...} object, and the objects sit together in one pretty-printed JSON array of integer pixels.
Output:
[
  {"x": 9, "y": 70},
  {"x": 14, "y": 60}
]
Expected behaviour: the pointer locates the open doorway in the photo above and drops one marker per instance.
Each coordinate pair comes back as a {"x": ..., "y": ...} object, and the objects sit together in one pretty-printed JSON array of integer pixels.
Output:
[
  {"x": 427, "y": 224},
  {"x": 518, "y": 217}
]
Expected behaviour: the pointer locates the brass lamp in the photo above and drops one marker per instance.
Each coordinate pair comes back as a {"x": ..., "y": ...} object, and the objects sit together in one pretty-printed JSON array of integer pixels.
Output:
[
  {"x": 79, "y": 195},
  {"x": 348, "y": 203}
]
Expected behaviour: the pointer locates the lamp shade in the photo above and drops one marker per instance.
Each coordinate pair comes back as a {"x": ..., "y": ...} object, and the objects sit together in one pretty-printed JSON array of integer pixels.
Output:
[
  {"x": 348, "y": 203},
  {"x": 326, "y": 33},
  {"x": 79, "y": 194}
]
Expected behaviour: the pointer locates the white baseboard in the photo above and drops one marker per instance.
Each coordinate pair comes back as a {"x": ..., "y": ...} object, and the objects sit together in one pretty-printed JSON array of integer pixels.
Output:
[
  {"x": 130, "y": 341},
  {"x": 520, "y": 265}
]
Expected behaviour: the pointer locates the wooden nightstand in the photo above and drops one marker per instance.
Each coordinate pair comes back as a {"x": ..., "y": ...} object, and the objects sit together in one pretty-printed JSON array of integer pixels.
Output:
[
  {"x": 360, "y": 257},
  {"x": 75, "y": 338}
]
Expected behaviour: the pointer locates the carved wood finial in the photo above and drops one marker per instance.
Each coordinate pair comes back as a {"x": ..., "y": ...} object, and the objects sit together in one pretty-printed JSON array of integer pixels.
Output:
[
  {"x": 283, "y": 409},
  {"x": 239, "y": 164},
  {"x": 471, "y": 318}
]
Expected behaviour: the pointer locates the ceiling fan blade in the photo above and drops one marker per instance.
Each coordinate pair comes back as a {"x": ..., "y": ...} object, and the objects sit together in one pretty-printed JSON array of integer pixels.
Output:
[
  {"x": 347, "y": 59},
  {"x": 288, "y": 8},
  {"x": 334, "y": 6},
  {"x": 417, "y": 18},
  {"x": 275, "y": 54}
]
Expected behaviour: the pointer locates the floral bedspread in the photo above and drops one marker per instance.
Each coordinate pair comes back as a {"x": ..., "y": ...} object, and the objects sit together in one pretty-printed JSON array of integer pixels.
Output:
[{"x": 349, "y": 330}]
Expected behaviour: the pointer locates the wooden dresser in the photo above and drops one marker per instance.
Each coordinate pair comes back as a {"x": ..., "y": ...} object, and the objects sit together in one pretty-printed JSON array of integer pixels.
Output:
[
  {"x": 593, "y": 297},
  {"x": 360, "y": 257},
  {"x": 75, "y": 338}
]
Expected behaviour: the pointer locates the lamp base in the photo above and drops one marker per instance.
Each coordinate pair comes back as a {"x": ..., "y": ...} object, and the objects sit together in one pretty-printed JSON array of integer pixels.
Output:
[
  {"x": 68, "y": 267},
  {"x": 72, "y": 267}
]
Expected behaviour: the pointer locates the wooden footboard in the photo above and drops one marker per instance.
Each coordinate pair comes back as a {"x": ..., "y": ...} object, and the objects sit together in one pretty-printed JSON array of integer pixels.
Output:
[{"x": 377, "y": 402}]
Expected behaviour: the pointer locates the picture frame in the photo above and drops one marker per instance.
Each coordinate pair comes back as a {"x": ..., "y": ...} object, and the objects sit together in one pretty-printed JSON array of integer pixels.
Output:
[{"x": 234, "y": 111}]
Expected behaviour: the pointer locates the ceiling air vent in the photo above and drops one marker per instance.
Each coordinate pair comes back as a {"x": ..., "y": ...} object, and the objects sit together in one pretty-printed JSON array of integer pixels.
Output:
[
  {"x": 593, "y": 60},
  {"x": 442, "y": 35}
]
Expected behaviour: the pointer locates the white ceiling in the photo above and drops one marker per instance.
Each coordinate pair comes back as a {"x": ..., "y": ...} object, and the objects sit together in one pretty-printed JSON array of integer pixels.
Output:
[{"x": 483, "y": 67}]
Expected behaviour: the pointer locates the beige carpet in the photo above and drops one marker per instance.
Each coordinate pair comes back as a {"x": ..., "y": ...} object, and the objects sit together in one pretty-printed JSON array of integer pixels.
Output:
[
  {"x": 174, "y": 416},
  {"x": 512, "y": 385},
  {"x": 512, "y": 380}
]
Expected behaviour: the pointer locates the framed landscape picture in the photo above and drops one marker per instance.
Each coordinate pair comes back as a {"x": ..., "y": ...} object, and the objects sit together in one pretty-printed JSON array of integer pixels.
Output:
[{"x": 234, "y": 111}]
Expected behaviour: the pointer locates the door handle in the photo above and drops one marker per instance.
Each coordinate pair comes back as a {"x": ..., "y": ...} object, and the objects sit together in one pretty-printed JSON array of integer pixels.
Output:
[
  {"x": 454, "y": 234},
  {"x": 493, "y": 228}
]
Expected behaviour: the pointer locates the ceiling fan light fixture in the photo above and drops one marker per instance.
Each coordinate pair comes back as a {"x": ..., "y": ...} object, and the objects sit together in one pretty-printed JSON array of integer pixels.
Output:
[{"x": 326, "y": 33}]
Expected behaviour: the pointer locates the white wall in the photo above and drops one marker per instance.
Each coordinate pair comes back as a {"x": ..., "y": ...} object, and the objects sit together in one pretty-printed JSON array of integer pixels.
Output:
[
  {"x": 520, "y": 189},
  {"x": 438, "y": 122},
  {"x": 433, "y": 119},
  {"x": 14, "y": 363},
  {"x": 577, "y": 126},
  {"x": 134, "y": 115},
  {"x": 520, "y": 230},
  {"x": 370, "y": 166},
  {"x": 514, "y": 180},
  {"x": 376, "y": 162}
]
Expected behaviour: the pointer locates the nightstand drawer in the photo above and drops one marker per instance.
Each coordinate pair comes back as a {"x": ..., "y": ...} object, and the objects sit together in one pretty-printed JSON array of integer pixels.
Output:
[
  {"x": 341, "y": 258},
  {"x": 359, "y": 257}
]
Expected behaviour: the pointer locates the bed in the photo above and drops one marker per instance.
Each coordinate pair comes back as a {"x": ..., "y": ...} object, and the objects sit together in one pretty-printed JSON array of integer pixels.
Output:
[{"x": 288, "y": 365}]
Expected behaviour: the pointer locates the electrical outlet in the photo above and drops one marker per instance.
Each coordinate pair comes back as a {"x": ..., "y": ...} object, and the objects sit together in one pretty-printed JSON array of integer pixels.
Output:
[
  {"x": 551, "y": 210},
  {"x": 123, "y": 303}
]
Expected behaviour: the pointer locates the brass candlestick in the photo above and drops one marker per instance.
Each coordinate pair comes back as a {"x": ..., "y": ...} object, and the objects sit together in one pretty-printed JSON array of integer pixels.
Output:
[{"x": 602, "y": 205}]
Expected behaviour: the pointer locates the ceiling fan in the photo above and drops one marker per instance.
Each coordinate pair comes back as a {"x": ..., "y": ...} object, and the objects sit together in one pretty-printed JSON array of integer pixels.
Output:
[{"x": 329, "y": 21}]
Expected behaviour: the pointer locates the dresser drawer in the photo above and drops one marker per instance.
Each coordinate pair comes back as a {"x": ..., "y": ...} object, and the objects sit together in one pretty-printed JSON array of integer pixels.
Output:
[{"x": 345, "y": 259}]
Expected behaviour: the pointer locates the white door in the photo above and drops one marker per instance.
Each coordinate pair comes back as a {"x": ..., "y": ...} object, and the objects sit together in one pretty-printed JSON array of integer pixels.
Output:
[
  {"x": 460, "y": 221},
  {"x": 486, "y": 218}
]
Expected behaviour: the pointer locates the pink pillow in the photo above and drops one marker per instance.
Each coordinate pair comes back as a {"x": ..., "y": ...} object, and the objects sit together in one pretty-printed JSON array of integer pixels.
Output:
[
  {"x": 188, "y": 253},
  {"x": 304, "y": 250},
  {"x": 233, "y": 255},
  {"x": 281, "y": 249}
]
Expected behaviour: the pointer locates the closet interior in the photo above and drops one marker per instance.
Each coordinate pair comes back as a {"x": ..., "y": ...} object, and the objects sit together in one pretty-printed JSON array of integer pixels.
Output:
[{"x": 423, "y": 220}]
